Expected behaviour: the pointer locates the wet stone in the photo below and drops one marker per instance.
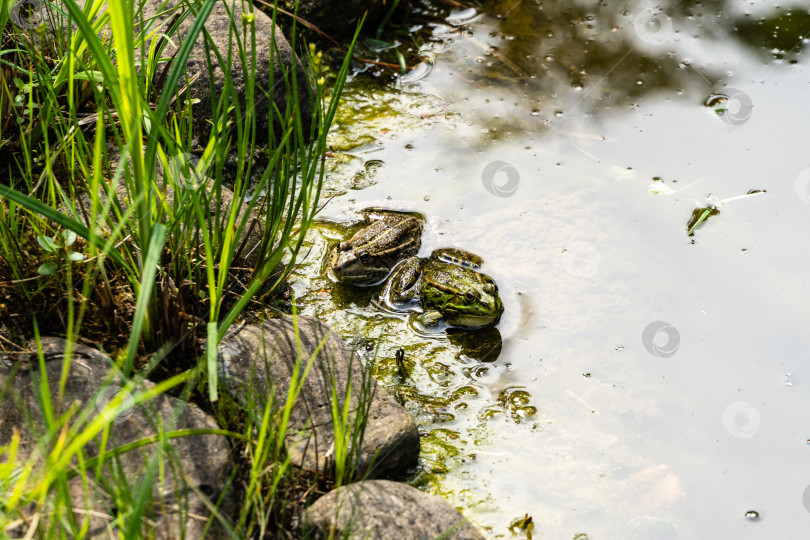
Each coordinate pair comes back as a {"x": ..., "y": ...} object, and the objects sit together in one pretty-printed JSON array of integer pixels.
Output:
[
  {"x": 257, "y": 362},
  {"x": 384, "y": 510},
  {"x": 194, "y": 467}
]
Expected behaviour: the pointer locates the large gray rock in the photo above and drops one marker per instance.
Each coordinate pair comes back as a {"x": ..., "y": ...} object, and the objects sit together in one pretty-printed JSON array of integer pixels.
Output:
[
  {"x": 340, "y": 20},
  {"x": 224, "y": 29},
  {"x": 384, "y": 510},
  {"x": 259, "y": 361},
  {"x": 194, "y": 468}
]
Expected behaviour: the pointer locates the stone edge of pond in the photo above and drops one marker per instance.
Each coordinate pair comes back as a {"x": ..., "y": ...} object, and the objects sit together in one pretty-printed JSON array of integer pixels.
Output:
[
  {"x": 390, "y": 444},
  {"x": 385, "y": 510},
  {"x": 199, "y": 465},
  {"x": 258, "y": 361}
]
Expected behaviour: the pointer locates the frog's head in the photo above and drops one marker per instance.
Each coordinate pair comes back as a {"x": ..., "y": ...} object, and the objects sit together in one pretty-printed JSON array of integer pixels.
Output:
[
  {"x": 472, "y": 302},
  {"x": 356, "y": 264}
]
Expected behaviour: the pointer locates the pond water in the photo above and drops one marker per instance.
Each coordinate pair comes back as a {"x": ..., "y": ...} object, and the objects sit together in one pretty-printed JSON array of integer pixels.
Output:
[{"x": 643, "y": 382}]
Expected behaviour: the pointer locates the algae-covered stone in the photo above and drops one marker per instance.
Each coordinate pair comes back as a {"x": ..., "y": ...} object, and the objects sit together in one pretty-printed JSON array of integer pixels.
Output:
[
  {"x": 384, "y": 510},
  {"x": 259, "y": 361},
  {"x": 194, "y": 468}
]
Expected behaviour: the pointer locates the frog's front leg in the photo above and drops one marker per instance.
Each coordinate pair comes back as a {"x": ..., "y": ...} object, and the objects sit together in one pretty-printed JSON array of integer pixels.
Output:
[
  {"x": 404, "y": 285},
  {"x": 430, "y": 318}
]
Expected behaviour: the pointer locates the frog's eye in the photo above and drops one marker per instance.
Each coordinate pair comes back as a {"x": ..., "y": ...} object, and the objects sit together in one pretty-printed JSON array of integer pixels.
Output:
[
  {"x": 470, "y": 297},
  {"x": 364, "y": 256}
]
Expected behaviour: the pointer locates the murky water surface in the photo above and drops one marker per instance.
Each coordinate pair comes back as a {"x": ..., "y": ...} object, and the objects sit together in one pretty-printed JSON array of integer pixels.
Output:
[{"x": 644, "y": 382}]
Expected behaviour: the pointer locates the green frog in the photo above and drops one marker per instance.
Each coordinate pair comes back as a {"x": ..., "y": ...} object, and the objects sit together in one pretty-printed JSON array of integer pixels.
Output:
[
  {"x": 369, "y": 255},
  {"x": 446, "y": 290}
]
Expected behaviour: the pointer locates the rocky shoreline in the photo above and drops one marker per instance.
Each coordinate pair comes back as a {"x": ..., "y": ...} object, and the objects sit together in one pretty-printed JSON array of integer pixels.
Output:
[{"x": 257, "y": 362}]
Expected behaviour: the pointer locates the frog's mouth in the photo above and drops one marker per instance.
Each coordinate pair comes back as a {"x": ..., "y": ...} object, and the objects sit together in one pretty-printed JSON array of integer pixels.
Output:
[
  {"x": 369, "y": 273},
  {"x": 471, "y": 320}
]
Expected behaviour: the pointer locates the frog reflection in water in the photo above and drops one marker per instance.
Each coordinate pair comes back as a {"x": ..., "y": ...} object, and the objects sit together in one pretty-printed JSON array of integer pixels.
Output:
[
  {"x": 452, "y": 291},
  {"x": 369, "y": 255}
]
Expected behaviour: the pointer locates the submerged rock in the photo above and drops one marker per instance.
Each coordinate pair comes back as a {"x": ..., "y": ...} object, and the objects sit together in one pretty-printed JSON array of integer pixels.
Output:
[
  {"x": 258, "y": 362},
  {"x": 194, "y": 468},
  {"x": 384, "y": 510}
]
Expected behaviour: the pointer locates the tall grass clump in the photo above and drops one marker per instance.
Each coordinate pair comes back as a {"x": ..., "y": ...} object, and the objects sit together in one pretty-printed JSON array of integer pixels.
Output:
[{"x": 115, "y": 229}]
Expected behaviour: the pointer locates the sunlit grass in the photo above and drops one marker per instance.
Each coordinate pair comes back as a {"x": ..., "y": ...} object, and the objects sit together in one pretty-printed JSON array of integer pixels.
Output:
[{"x": 85, "y": 135}]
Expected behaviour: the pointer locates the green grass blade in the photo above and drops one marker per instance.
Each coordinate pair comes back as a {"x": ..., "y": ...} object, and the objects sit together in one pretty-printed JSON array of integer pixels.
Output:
[
  {"x": 37, "y": 207},
  {"x": 150, "y": 264}
]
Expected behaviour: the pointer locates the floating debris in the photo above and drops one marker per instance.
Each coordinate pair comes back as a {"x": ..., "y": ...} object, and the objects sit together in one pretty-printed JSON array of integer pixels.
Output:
[{"x": 699, "y": 215}]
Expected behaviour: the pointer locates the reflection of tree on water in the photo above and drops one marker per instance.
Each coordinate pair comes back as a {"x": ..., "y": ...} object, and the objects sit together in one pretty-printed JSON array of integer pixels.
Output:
[{"x": 600, "y": 55}]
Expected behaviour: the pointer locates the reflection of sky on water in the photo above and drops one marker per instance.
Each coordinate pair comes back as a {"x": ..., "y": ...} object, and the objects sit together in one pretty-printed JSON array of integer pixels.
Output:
[{"x": 589, "y": 251}]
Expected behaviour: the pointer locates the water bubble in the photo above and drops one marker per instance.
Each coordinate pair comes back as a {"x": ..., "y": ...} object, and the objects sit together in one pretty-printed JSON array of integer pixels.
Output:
[
  {"x": 535, "y": 112},
  {"x": 558, "y": 114},
  {"x": 426, "y": 198},
  {"x": 549, "y": 58},
  {"x": 753, "y": 515},
  {"x": 578, "y": 87}
]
